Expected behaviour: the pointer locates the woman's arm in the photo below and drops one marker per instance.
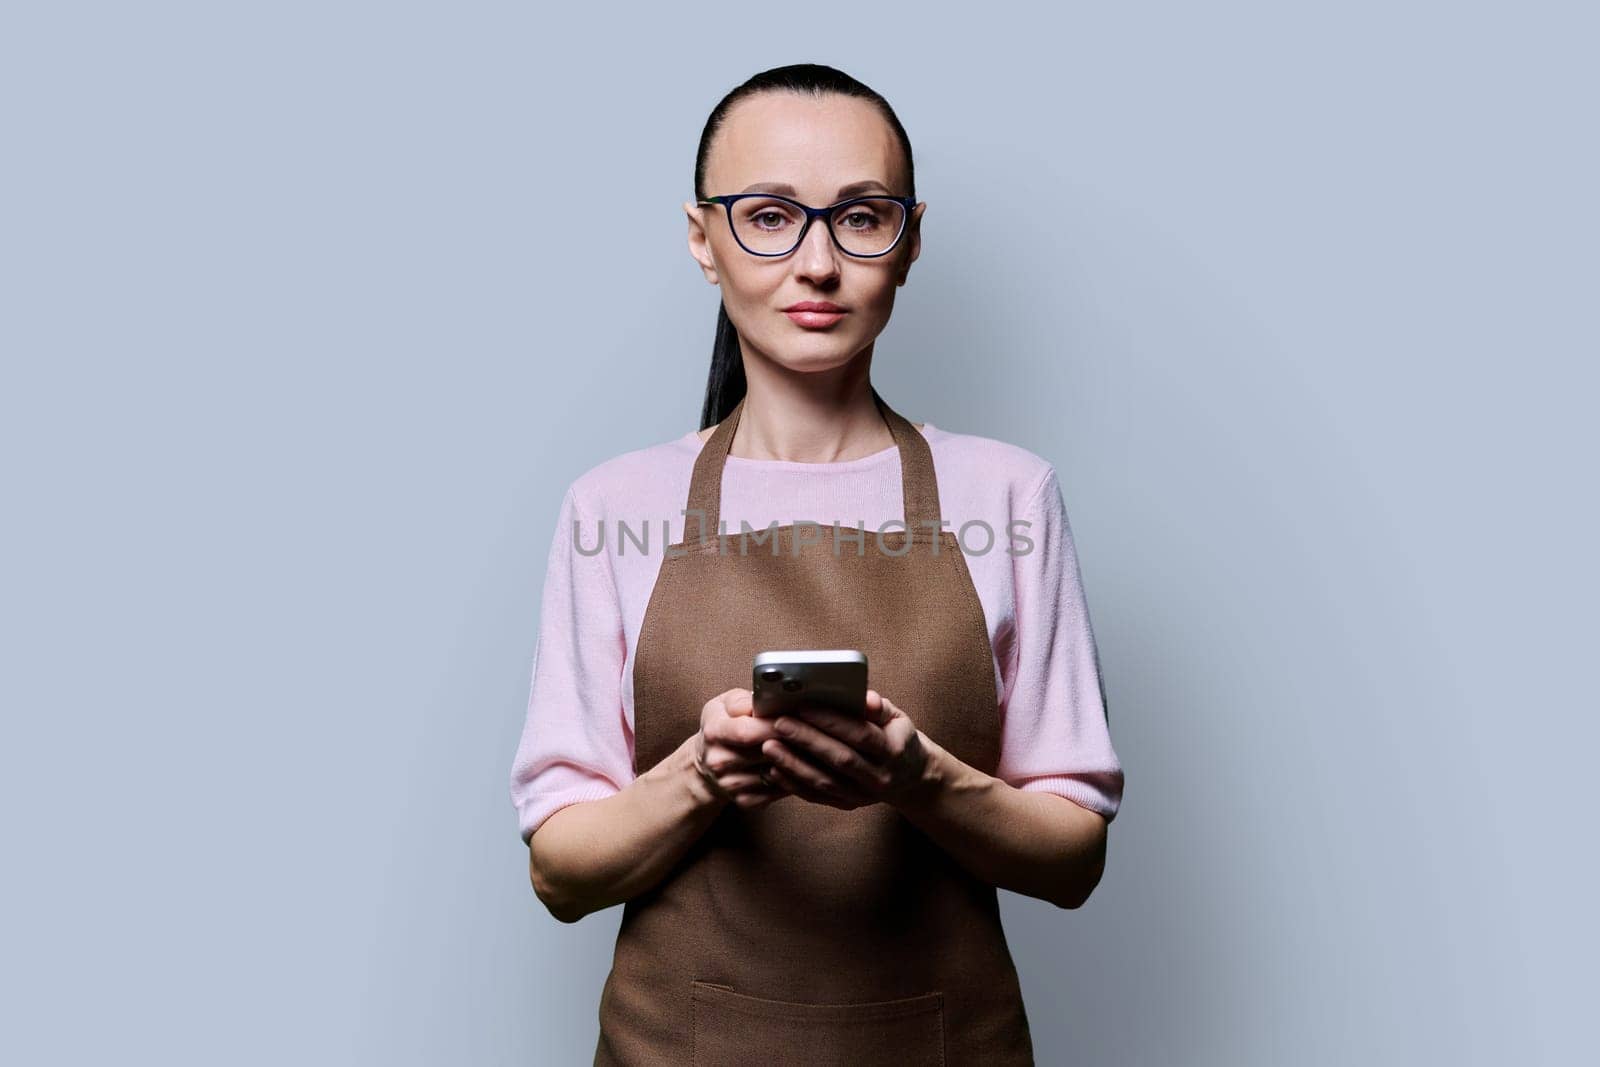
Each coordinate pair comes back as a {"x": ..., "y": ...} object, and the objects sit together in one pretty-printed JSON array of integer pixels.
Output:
[
  {"x": 1039, "y": 825},
  {"x": 591, "y": 855},
  {"x": 1035, "y": 843}
]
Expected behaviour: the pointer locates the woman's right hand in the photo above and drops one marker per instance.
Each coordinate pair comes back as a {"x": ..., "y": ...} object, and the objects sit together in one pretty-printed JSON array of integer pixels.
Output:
[
  {"x": 602, "y": 852},
  {"x": 727, "y": 750}
]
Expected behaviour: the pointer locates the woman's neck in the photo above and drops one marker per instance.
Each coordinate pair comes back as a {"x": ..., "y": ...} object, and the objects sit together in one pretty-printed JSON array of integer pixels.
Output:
[{"x": 808, "y": 431}]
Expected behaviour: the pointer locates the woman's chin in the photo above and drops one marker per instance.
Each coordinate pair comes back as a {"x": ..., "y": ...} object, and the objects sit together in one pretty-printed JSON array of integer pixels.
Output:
[{"x": 814, "y": 357}]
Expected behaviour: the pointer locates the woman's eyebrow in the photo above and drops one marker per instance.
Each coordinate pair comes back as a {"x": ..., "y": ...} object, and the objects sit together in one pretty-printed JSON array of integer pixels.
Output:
[{"x": 785, "y": 189}]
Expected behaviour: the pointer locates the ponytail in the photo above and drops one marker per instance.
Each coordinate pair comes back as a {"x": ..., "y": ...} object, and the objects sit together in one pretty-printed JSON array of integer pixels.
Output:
[{"x": 725, "y": 386}]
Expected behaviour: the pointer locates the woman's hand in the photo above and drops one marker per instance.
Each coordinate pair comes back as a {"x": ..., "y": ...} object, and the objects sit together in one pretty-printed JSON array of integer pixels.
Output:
[
  {"x": 727, "y": 751},
  {"x": 846, "y": 761}
]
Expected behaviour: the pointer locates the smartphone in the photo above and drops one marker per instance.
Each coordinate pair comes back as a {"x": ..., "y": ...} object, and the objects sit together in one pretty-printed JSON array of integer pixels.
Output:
[{"x": 785, "y": 680}]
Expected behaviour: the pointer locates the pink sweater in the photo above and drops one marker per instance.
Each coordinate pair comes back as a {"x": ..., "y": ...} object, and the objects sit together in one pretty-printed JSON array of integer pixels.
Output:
[{"x": 577, "y": 740}]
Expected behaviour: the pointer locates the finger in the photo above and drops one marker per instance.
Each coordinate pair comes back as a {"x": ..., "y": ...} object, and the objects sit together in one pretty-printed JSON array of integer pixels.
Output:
[
  {"x": 865, "y": 737},
  {"x": 738, "y": 702},
  {"x": 720, "y": 759},
  {"x": 728, "y": 702},
  {"x": 796, "y": 786},
  {"x": 834, "y": 756},
  {"x": 756, "y": 790},
  {"x": 899, "y": 732},
  {"x": 876, "y": 710},
  {"x": 755, "y": 798},
  {"x": 744, "y": 782},
  {"x": 743, "y": 731},
  {"x": 818, "y": 779}
]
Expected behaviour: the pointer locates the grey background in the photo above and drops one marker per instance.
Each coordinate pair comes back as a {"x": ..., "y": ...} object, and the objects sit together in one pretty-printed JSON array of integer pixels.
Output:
[{"x": 310, "y": 311}]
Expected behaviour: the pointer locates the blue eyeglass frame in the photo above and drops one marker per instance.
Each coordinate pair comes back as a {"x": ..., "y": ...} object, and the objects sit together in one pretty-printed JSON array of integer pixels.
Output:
[{"x": 812, "y": 213}]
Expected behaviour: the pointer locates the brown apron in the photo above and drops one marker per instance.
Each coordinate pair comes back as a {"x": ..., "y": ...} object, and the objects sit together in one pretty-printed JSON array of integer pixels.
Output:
[{"x": 798, "y": 933}]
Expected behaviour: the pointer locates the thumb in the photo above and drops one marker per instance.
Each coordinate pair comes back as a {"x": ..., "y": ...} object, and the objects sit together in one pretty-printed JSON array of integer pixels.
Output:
[{"x": 879, "y": 709}]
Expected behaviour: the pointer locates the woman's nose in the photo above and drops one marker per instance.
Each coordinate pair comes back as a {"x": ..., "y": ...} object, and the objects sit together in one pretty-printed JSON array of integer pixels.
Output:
[{"x": 817, "y": 259}]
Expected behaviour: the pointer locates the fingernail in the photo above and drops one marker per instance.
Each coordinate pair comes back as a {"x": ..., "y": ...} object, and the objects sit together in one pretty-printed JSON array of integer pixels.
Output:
[{"x": 784, "y": 726}]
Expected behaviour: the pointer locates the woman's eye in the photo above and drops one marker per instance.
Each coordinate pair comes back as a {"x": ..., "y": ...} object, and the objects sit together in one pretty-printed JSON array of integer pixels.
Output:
[
  {"x": 869, "y": 220},
  {"x": 769, "y": 219}
]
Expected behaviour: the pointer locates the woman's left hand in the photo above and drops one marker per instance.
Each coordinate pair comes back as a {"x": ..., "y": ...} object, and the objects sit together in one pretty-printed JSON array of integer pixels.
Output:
[{"x": 846, "y": 761}]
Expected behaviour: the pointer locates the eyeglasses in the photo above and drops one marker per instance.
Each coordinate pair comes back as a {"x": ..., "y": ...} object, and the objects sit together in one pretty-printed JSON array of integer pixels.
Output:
[{"x": 765, "y": 224}]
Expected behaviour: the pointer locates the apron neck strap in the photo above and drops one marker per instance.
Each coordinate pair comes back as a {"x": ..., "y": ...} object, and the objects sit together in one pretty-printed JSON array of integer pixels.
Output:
[{"x": 919, "y": 487}]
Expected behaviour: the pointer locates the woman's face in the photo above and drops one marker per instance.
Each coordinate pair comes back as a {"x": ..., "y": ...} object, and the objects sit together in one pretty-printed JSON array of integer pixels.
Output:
[{"x": 817, "y": 147}]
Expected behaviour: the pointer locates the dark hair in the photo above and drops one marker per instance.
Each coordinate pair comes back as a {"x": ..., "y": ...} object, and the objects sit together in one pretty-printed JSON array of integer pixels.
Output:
[{"x": 725, "y": 386}]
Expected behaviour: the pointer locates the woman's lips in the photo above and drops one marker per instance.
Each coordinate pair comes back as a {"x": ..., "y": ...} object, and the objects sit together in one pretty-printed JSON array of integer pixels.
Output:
[{"x": 812, "y": 320}]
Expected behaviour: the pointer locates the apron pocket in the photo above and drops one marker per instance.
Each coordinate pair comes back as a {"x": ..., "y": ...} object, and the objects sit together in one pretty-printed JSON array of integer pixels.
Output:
[{"x": 734, "y": 1030}]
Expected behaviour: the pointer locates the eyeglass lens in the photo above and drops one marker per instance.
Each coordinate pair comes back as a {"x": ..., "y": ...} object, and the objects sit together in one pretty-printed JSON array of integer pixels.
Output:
[{"x": 771, "y": 227}]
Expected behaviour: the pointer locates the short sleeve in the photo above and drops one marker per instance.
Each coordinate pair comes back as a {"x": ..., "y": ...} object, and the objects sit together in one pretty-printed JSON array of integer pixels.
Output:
[
  {"x": 575, "y": 743},
  {"x": 1055, "y": 734}
]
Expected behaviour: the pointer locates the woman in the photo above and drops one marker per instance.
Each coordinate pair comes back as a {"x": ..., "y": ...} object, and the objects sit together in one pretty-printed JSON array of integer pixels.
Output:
[{"x": 816, "y": 888}]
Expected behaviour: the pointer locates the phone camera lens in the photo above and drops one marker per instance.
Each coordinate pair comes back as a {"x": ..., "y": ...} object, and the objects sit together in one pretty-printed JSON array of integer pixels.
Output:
[{"x": 771, "y": 674}]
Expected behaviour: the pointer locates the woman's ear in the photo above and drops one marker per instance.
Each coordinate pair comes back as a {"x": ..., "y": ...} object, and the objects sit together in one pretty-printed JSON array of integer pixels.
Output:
[
  {"x": 914, "y": 239},
  {"x": 700, "y": 242}
]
